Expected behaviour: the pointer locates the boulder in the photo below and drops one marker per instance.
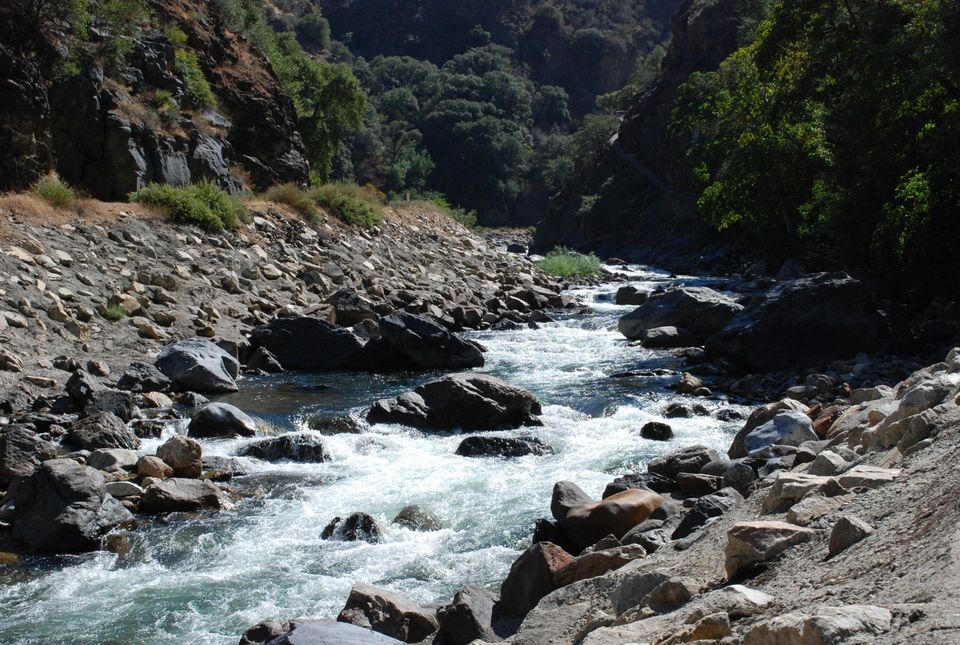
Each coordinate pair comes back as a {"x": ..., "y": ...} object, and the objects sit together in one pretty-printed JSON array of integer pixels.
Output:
[
  {"x": 650, "y": 481},
  {"x": 847, "y": 531},
  {"x": 656, "y": 431},
  {"x": 120, "y": 404},
  {"x": 567, "y": 495},
  {"x": 150, "y": 466},
  {"x": 102, "y": 430},
  {"x": 688, "y": 460},
  {"x": 416, "y": 519},
  {"x": 802, "y": 324},
  {"x": 474, "y": 614},
  {"x": 427, "y": 345},
  {"x": 144, "y": 377},
  {"x": 21, "y": 452},
  {"x": 750, "y": 544},
  {"x": 757, "y": 418},
  {"x": 64, "y": 507},
  {"x": 667, "y": 338},
  {"x": 262, "y": 359},
  {"x": 112, "y": 459},
  {"x": 789, "y": 488},
  {"x": 531, "y": 577},
  {"x": 351, "y": 307},
  {"x": 587, "y": 523},
  {"x": 467, "y": 401},
  {"x": 313, "y": 632},
  {"x": 596, "y": 563},
  {"x": 785, "y": 429},
  {"x": 183, "y": 455},
  {"x": 630, "y": 295},
  {"x": 178, "y": 494},
  {"x": 297, "y": 446},
  {"x": 846, "y": 624},
  {"x": 481, "y": 446},
  {"x": 699, "y": 310},
  {"x": 358, "y": 527},
  {"x": 199, "y": 365},
  {"x": 309, "y": 344},
  {"x": 221, "y": 420},
  {"x": 705, "y": 509},
  {"x": 863, "y": 476},
  {"x": 387, "y": 613}
]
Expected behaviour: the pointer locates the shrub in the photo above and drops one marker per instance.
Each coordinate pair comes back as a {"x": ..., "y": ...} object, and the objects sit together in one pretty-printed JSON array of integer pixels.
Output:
[
  {"x": 351, "y": 203},
  {"x": 114, "y": 313},
  {"x": 166, "y": 106},
  {"x": 294, "y": 197},
  {"x": 176, "y": 36},
  {"x": 198, "y": 89},
  {"x": 465, "y": 217},
  {"x": 566, "y": 263},
  {"x": 53, "y": 191},
  {"x": 203, "y": 204}
]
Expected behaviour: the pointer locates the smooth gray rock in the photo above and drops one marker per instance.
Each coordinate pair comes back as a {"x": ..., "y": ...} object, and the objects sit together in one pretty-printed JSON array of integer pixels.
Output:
[
  {"x": 786, "y": 429},
  {"x": 309, "y": 344},
  {"x": 699, "y": 310},
  {"x": 178, "y": 494},
  {"x": 221, "y": 420},
  {"x": 426, "y": 344},
  {"x": 199, "y": 365}
]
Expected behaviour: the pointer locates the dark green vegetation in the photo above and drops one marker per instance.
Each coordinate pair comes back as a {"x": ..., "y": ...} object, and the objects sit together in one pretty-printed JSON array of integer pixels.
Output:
[
  {"x": 202, "y": 204},
  {"x": 53, "y": 191},
  {"x": 835, "y": 136}
]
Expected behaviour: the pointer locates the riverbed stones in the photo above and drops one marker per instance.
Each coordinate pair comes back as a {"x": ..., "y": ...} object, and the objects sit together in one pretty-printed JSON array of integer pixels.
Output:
[
  {"x": 484, "y": 446},
  {"x": 102, "y": 430},
  {"x": 801, "y": 324},
  {"x": 199, "y": 365},
  {"x": 531, "y": 577},
  {"x": 699, "y": 310},
  {"x": 221, "y": 420},
  {"x": 150, "y": 466},
  {"x": 112, "y": 459},
  {"x": 566, "y": 496},
  {"x": 299, "y": 446},
  {"x": 467, "y": 401},
  {"x": 64, "y": 507},
  {"x": 847, "y": 624},
  {"x": 847, "y": 531},
  {"x": 357, "y": 527},
  {"x": 750, "y": 544},
  {"x": 183, "y": 455},
  {"x": 585, "y": 524},
  {"x": 387, "y": 613},
  {"x": 179, "y": 494}
]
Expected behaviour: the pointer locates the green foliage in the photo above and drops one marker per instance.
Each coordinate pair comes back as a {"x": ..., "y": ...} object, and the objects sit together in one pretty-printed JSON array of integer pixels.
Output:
[
  {"x": 165, "y": 106},
  {"x": 176, "y": 36},
  {"x": 198, "y": 89},
  {"x": 314, "y": 29},
  {"x": 566, "y": 263},
  {"x": 50, "y": 189},
  {"x": 353, "y": 204},
  {"x": 113, "y": 313},
  {"x": 593, "y": 139},
  {"x": 294, "y": 197},
  {"x": 203, "y": 204},
  {"x": 836, "y": 135}
]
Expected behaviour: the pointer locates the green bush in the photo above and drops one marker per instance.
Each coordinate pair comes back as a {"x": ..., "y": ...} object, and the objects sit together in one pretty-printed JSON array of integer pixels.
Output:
[
  {"x": 114, "y": 313},
  {"x": 294, "y": 197},
  {"x": 166, "y": 106},
  {"x": 176, "y": 36},
  {"x": 198, "y": 89},
  {"x": 566, "y": 263},
  {"x": 351, "y": 203},
  {"x": 53, "y": 191},
  {"x": 203, "y": 204}
]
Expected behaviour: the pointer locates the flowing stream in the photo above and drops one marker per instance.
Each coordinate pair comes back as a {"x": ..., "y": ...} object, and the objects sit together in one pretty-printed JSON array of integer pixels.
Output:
[{"x": 206, "y": 578}]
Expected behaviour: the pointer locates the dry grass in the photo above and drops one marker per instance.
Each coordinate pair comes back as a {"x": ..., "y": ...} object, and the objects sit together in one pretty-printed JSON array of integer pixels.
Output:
[{"x": 29, "y": 209}]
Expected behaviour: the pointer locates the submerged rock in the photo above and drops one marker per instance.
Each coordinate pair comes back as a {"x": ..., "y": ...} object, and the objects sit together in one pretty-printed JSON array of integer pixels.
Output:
[
  {"x": 502, "y": 447},
  {"x": 416, "y": 519},
  {"x": 356, "y": 528},
  {"x": 467, "y": 401},
  {"x": 301, "y": 447}
]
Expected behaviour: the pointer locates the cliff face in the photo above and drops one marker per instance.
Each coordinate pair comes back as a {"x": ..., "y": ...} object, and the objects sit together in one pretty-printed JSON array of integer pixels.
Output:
[
  {"x": 104, "y": 129},
  {"x": 644, "y": 207}
]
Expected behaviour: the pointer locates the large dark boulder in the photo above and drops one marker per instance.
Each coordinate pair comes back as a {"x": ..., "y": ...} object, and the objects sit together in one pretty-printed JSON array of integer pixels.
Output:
[
  {"x": 21, "y": 452},
  {"x": 144, "y": 377},
  {"x": 802, "y": 324},
  {"x": 481, "y": 446},
  {"x": 387, "y": 613},
  {"x": 177, "y": 494},
  {"x": 698, "y": 310},
  {"x": 531, "y": 577},
  {"x": 298, "y": 446},
  {"x": 356, "y": 528},
  {"x": 309, "y": 344},
  {"x": 351, "y": 307},
  {"x": 467, "y": 401},
  {"x": 64, "y": 507},
  {"x": 426, "y": 344},
  {"x": 474, "y": 614},
  {"x": 102, "y": 430},
  {"x": 221, "y": 420},
  {"x": 199, "y": 365}
]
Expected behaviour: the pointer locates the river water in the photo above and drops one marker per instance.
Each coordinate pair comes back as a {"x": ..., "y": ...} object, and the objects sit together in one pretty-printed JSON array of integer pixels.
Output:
[{"x": 206, "y": 578}]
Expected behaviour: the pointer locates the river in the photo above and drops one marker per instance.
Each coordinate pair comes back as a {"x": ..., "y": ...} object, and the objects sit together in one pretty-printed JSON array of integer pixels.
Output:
[{"x": 205, "y": 579}]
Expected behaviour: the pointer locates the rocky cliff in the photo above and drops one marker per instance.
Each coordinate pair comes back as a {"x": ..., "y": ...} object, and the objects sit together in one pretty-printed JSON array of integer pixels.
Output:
[
  {"x": 643, "y": 203},
  {"x": 112, "y": 128}
]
